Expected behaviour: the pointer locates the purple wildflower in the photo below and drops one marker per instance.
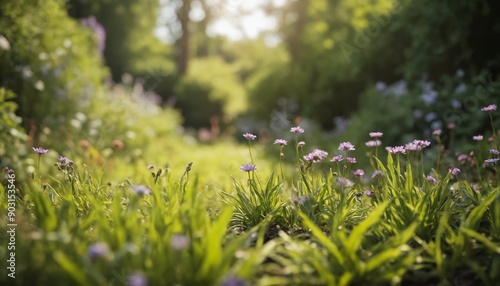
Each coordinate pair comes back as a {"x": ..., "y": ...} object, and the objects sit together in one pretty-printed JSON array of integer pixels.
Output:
[
  {"x": 417, "y": 145},
  {"x": 431, "y": 179},
  {"x": 359, "y": 173},
  {"x": 248, "y": 167},
  {"x": 454, "y": 171},
  {"x": 396, "y": 150},
  {"x": 233, "y": 281},
  {"x": 179, "y": 241},
  {"x": 249, "y": 136},
  {"x": 297, "y": 129},
  {"x": 40, "y": 150},
  {"x": 300, "y": 199},
  {"x": 351, "y": 160},
  {"x": 337, "y": 159},
  {"x": 373, "y": 143},
  {"x": 301, "y": 144},
  {"x": 137, "y": 279},
  {"x": 281, "y": 142},
  {"x": 97, "y": 250},
  {"x": 494, "y": 152},
  {"x": 141, "y": 190},
  {"x": 462, "y": 157},
  {"x": 376, "y": 134},
  {"x": 343, "y": 182},
  {"x": 492, "y": 160},
  {"x": 491, "y": 107},
  {"x": 477, "y": 137},
  {"x": 346, "y": 146},
  {"x": 65, "y": 160},
  {"x": 316, "y": 156}
]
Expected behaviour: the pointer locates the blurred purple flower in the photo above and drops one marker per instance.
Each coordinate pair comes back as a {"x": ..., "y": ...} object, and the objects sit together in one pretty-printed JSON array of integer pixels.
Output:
[
  {"x": 316, "y": 156},
  {"x": 137, "y": 279},
  {"x": 281, "y": 142},
  {"x": 477, "y": 137},
  {"x": 492, "y": 160},
  {"x": 368, "y": 193},
  {"x": 97, "y": 250},
  {"x": 337, "y": 159},
  {"x": 431, "y": 179},
  {"x": 64, "y": 160},
  {"x": 377, "y": 173},
  {"x": 396, "y": 150},
  {"x": 248, "y": 167},
  {"x": 373, "y": 143},
  {"x": 494, "y": 152},
  {"x": 98, "y": 29},
  {"x": 40, "y": 150},
  {"x": 454, "y": 171},
  {"x": 297, "y": 129},
  {"x": 376, "y": 134},
  {"x": 359, "y": 173},
  {"x": 436, "y": 132},
  {"x": 346, "y": 146},
  {"x": 233, "y": 281},
  {"x": 491, "y": 107},
  {"x": 343, "y": 182},
  {"x": 141, "y": 190},
  {"x": 351, "y": 160},
  {"x": 301, "y": 144},
  {"x": 179, "y": 241},
  {"x": 249, "y": 136}
]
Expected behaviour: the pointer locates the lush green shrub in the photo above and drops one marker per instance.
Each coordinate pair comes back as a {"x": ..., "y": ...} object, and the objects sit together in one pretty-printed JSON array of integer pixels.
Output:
[{"x": 12, "y": 146}]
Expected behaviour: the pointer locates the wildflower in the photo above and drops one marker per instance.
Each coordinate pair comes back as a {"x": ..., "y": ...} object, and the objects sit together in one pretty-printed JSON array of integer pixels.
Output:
[
  {"x": 343, "y": 182},
  {"x": 351, "y": 160},
  {"x": 477, "y": 137},
  {"x": 396, "y": 150},
  {"x": 281, "y": 142},
  {"x": 137, "y": 279},
  {"x": 40, "y": 150},
  {"x": 451, "y": 125},
  {"x": 494, "y": 152},
  {"x": 368, "y": 193},
  {"x": 454, "y": 171},
  {"x": 491, "y": 107},
  {"x": 359, "y": 173},
  {"x": 316, "y": 156},
  {"x": 9, "y": 171},
  {"x": 64, "y": 160},
  {"x": 248, "y": 167},
  {"x": 337, "y": 159},
  {"x": 233, "y": 281},
  {"x": 249, "y": 136},
  {"x": 346, "y": 146},
  {"x": 300, "y": 199},
  {"x": 373, "y": 143},
  {"x": 492, "y": 160},
  {"x": 301, "y": 144},
  {"x": 462, "y": 157},
  {"x": 179, "y": 241},
  {"x": 377, "y": 173},
  {"x": 436, "y": 132},
  {"x": 417, "y": 145},
  {"x": 97, "y": 250},
  {"x": 376, "y": 134},
  {"x": 431, "y": 179},
  {"x": 141, "y": 190},
  {"x": 297, "y": 129}
]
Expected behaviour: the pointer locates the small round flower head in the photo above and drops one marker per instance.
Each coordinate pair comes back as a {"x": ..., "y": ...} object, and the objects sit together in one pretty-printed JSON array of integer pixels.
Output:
[
  {"x": 301, "y": 200},
  {"x": 141, "y": 190},
  {"x": 491, "y": 107},
  {"x": 351, "y": 160},
  {"x": 368, "y": 193},
  {"x": 297, "y": 129},
  {"x": 337, "y": 159},
  {"x": 437, "y": 132},
  {"x": 492, "y": 160},
  {"x": 477, "y": 138},
  {"x": 316, "y": 156},
  {"x": 431, "y": 179},
  {"x": 40, "y": 150},
  {"x": 346, "y": 146},
  {"x": 359, "y": 173},
  {"x": 248, "y": 167},
  {"x": 373, "y": 143},
  {"x": 249, "y": 136},
  {"x": 376, "y": 134},
  {"x": 97, "y": 250},
  {"x": 494, "y": 152},
  {"x": 137, "y": 279},
  {"x": 451, "y": 125},
  {"x": 64, "y": 160},
  {"x": 179, "y": 241},
  {"x": 462, "y": 157},
  {"x": 454, "y": 171},
  {"x": 9, "y": 171},
  {"x": 301, "y": 144},
  {"x": 396, "y": 150},
  {"x": 417, "y": 145},
  {"x": 343, "y": 182},
  {"x": 281, "y": 142},
  {"x": 233, "y": 281}
]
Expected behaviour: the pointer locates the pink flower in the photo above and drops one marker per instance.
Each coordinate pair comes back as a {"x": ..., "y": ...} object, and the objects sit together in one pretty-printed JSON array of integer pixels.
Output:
[
  {"x": 491, "y": 107},
  {"x": 316, "y": 156},
  {"x": 431, "y": 179},
  {"x": 297, "y": 129},
  {"x": 373, "y": 143},
  {"x": 376, "y": 134},
  {"x": 359, "y": 173},
  {"x": 396, "y": 150},
  {"x": 249, "y": 136},
  {"x": 477, "y": 137},
  {"x": 281, "y": 142},
  {"x": 346, "y": 146},
  {"x": 351, "y": 160},
  {"x": 337, "y": 159},
  {"x": 454, "y": 171},
  {"x": 436, "y": 132},
  {"x": 301, "y": 144}
]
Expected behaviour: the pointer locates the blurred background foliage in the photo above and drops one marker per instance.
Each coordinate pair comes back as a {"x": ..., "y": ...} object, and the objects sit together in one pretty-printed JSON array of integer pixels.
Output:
[{"x": 342, "y": 68}]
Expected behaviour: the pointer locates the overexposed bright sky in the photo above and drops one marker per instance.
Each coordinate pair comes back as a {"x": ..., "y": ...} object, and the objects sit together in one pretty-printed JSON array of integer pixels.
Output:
[{"x": 236, "y": 19}]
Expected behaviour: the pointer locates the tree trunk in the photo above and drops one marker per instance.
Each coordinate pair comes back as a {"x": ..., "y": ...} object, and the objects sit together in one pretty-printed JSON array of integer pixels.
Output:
[{"x": 182, "y": 44}]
